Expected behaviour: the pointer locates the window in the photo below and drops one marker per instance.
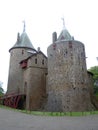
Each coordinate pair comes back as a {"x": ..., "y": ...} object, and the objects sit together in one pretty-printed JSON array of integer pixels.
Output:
[
  {"x": 43, "y": 62},
  {"x": 66, "y": 51},
  {"x": 22, "y": 52},
  {"x": 36, "y": 61}
]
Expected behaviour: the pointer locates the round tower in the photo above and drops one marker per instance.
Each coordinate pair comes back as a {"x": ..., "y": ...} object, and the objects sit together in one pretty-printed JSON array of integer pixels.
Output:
[
  {"x": 20, "y": 51},
  {"x": 67, "y": 86}
]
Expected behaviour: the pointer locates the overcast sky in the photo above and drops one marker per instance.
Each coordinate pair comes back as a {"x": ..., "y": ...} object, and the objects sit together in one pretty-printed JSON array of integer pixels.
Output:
[{"x": 43, "y": 17}]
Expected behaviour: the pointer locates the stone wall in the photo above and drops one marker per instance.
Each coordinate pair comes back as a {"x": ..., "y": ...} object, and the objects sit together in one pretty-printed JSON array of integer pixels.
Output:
[{"x": 67, "y": 86}]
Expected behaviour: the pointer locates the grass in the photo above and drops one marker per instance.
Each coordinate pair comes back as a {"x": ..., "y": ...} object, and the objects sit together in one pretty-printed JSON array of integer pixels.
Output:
[{"x": 39, "y": 113}]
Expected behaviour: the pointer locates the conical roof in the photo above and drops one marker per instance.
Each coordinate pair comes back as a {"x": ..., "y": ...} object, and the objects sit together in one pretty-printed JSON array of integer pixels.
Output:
[
  {"x": 64, "y": 35},
  {"x": 23, "y": 41}
]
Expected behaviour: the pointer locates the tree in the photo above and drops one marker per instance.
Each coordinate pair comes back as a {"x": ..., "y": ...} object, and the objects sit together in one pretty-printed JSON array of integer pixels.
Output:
[
  {"x": 94, "y": 70},
  {"x": 1, "y": 89}
]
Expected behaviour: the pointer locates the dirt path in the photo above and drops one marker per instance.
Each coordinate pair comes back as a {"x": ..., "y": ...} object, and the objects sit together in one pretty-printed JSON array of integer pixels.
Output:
[{"x": 11, "y": 120}]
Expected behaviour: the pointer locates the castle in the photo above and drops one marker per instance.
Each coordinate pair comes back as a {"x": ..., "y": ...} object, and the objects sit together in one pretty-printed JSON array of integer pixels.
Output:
[{"x": 57, "y": 82}]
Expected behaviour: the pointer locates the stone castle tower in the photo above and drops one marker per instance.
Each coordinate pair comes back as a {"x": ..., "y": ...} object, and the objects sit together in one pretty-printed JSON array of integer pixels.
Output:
[
  {"x": 68, "y": 82},
  {"x": 57, "y": 83},
  {"x": 18, "y": 52}
]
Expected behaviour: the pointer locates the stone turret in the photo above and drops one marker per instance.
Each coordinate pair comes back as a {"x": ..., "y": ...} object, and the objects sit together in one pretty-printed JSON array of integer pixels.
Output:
[
  {"x": 67, "y": 86},
  {"x": 20, "y": 51}
]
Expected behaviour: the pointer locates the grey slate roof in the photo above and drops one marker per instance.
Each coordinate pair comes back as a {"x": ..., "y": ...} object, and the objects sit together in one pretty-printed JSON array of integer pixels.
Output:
[
  {"x": 64, "y": 35},
  {"x": 23, "y": 41}
]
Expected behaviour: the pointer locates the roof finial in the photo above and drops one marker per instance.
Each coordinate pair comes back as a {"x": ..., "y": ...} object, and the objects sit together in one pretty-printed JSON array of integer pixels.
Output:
[
  {"x": 63, "y": 22},
  {"x": 24, "y": 27}
]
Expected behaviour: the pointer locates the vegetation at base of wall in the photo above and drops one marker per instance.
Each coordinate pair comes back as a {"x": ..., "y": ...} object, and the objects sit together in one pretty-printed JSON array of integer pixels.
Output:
[
  {"x": 39, "y": 113},
  {"x": 62, "y": 113},
  {"x": 1, "y": 89}
]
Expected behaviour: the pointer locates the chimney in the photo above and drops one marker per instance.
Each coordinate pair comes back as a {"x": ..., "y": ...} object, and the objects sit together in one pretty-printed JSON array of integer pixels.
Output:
[
  {"x": 54, "y": 37},
  {"x": 38, "y": 49}
]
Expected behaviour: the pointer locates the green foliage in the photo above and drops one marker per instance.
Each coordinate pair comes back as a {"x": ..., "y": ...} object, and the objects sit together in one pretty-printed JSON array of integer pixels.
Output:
[{"x": 94, "y": 70}]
